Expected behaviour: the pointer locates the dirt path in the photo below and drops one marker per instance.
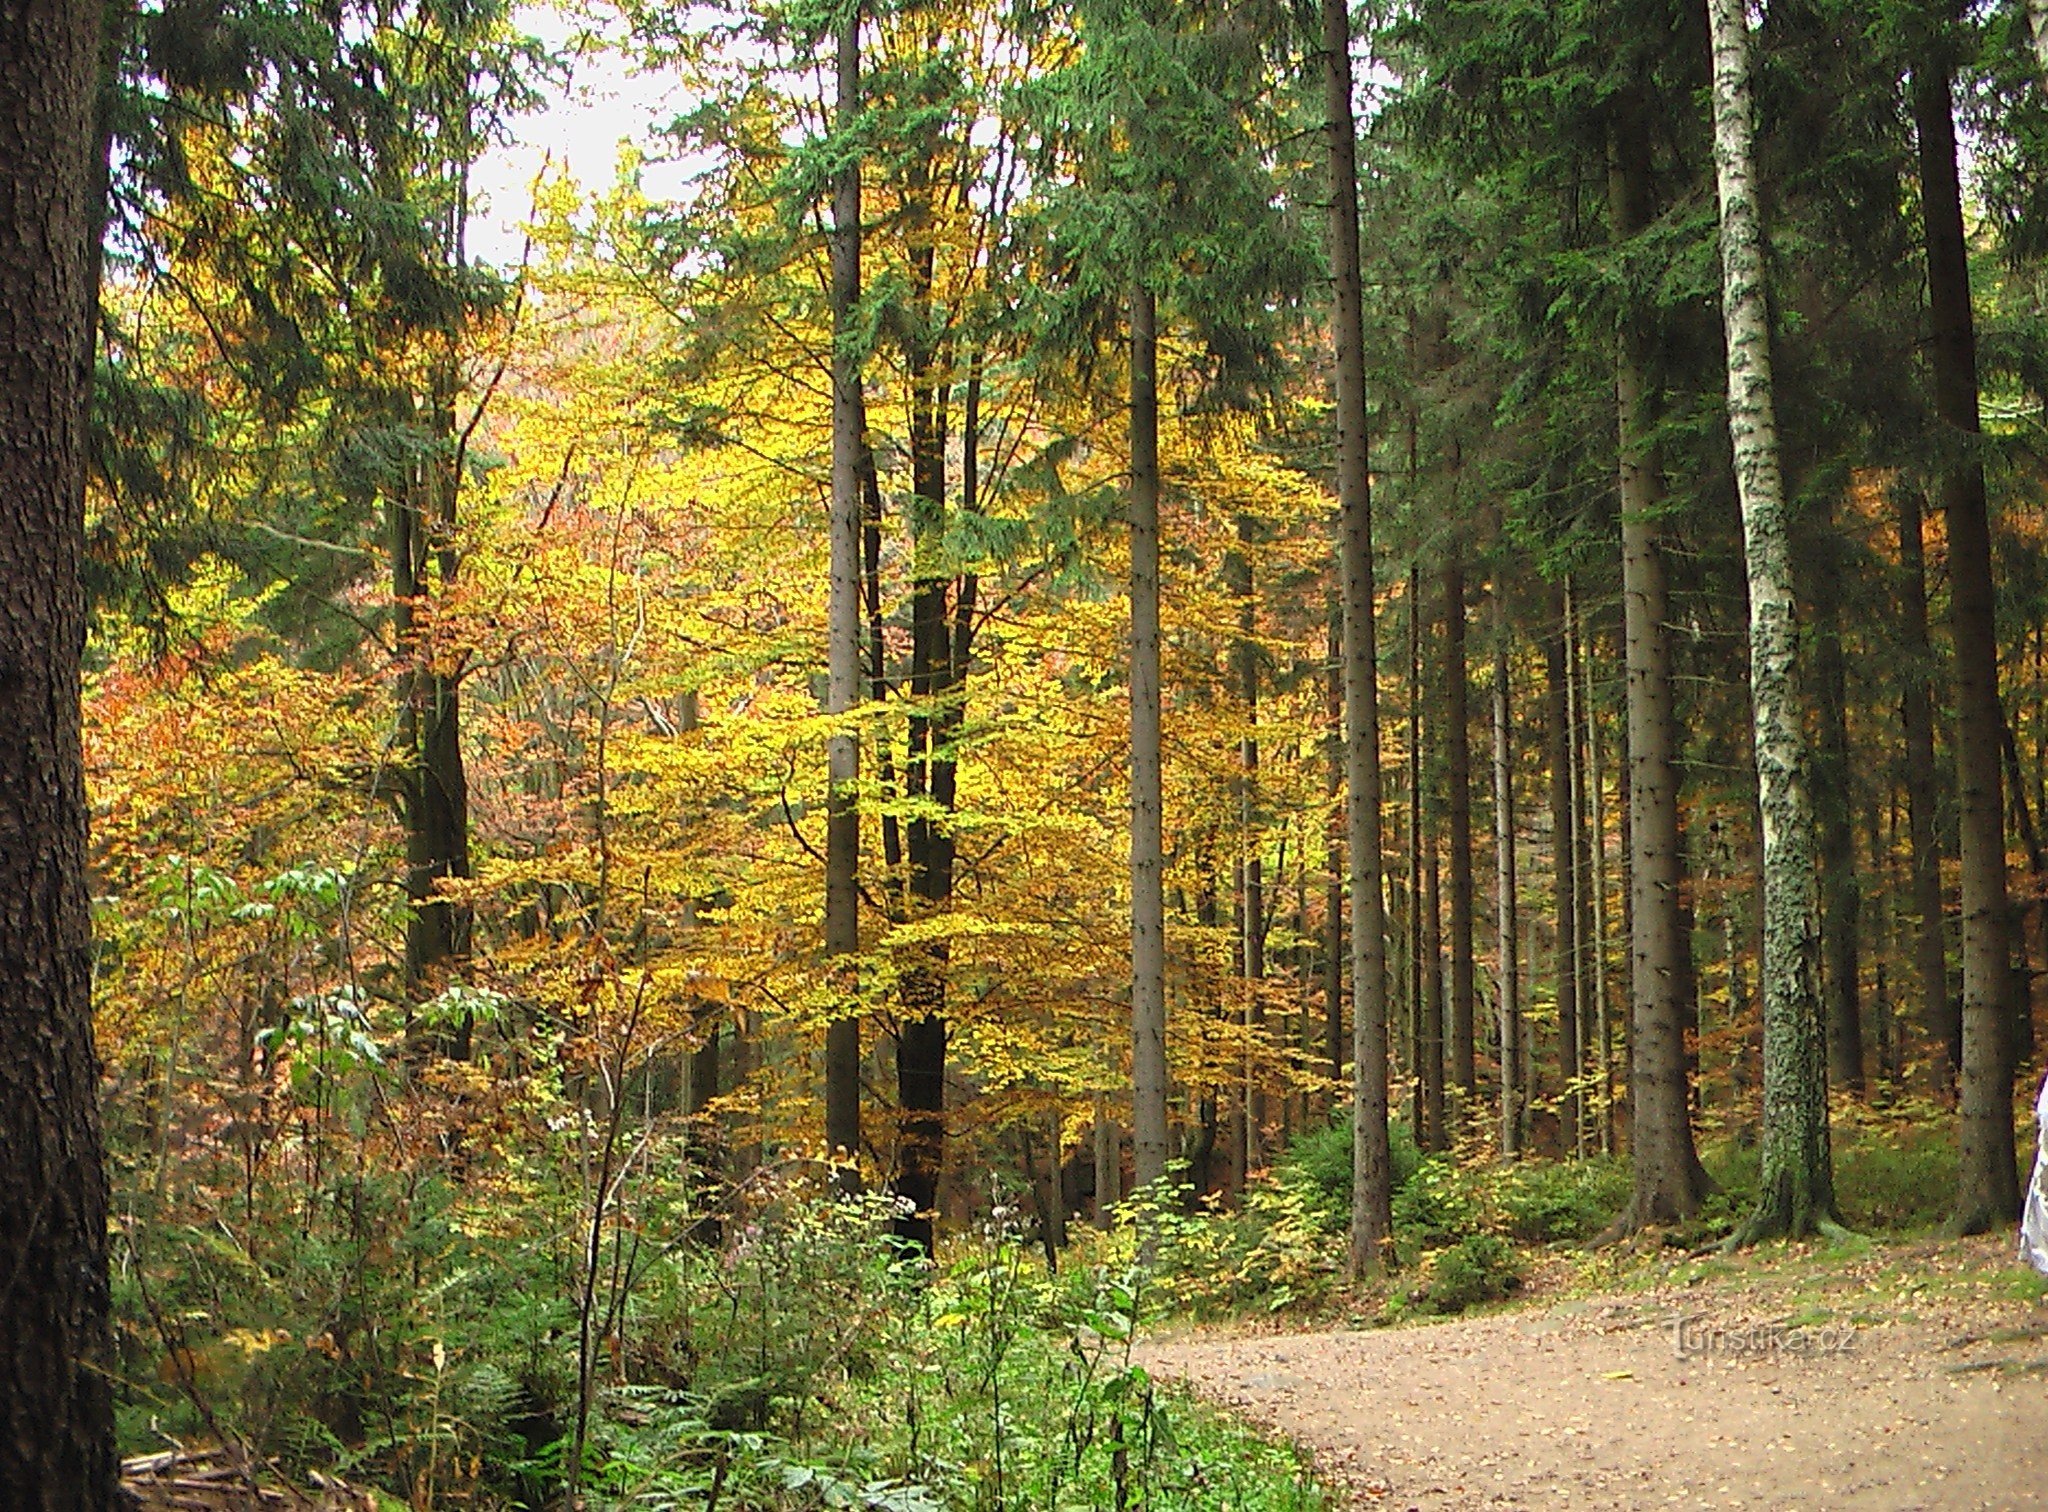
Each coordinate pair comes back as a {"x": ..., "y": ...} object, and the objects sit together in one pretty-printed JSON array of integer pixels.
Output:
[{"x": 1920, "y": 1380}]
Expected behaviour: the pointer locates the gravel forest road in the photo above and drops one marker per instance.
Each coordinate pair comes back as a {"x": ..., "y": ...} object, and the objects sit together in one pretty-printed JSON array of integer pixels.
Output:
[{"x": 1914, "y": 1378}]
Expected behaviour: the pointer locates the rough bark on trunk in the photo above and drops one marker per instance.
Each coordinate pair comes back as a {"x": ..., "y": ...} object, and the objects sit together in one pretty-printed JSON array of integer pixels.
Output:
[
  {"x": 1665, "y": 1186},
  {"x": 843, "y": 635},
  {"x": 56, "y": 1412},
  {"x": 1148, "y": 899},
  {"x": 1941, "y": 1021},
  {"x": 1988, "y": 1185},
  {"x": 1458, "y": 761},
  {"x": 1796, "y": 1190},
  {"x": 1372, "y": 1223}
]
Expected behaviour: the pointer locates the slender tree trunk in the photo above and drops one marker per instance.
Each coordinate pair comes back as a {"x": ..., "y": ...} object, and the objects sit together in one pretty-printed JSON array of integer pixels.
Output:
[
  {"x": 1602, "y": 1025},
  {"x": 56, "y": 1404},
  {"x": 436, "y": 787},
  {"x": 1372, "y": 1223},
  {"x": 1662, "y": 1157},
  {"x": 1508, "y": 985},
  {"x": 2037, "y": 18},
  {"x": 929, "y": 768},
  {"x": 1458, "y": 758},
  {"x": 1797, "y": 1193},
  {"x": 1333, "y": 886},
  {"x": 2037, "y": 872},
  {"x": 1884, "y": 1020},
  {"x": 1988, "y": 1189},
  {"x": 1429, "y": 1041},
  {"x": 1942, "y": 1022},
  {"x": 1109, "y": 1166},
  {"x": 1840, "y": 920},
  {"x": 1576, "y": 745},
  {"x": 1251, "y": 919},
  {"x": 1148, "y": 864},
  {"x": 1564, "y": 886},
  {"x": 1415, "y": 978},
  {"x": 842, "y": 822}
]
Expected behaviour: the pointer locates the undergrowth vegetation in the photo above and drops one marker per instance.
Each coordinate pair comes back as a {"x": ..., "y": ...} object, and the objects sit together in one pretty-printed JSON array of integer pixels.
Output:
[
  {"x": 1467, "y": 1226},
  {"x": 451, "y": 1350}
]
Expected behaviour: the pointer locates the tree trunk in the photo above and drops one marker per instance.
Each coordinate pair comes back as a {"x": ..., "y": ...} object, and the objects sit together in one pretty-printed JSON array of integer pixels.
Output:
[
  {"x": 1663, "y": 1161},
  {"x": 1109, "y": 1167},
  {"x": 1429, "y": 1041},
  {"x": 2037, "y": 18},
  {"x": 1578, "y": 742},
  {"x": 1988, "y": 1188},
  {"x": 1251, "y": 916},
  {"x": 1372, "y": 1223},
  {"x": 1840, "y": 919},
  {"x": 56, "y": 1405},
  {"x": 1602, "y": 1024},
  {"x": 1148, "y": 864},
  {"x": 1458, "y": 758},
  {"x": 843, "y": 633},
  {"x": 1508, "y": 986},
  {"x": 1942, "y": 1022},
  {"x": 1563, "y": 872},
  {"x": 1414, "y": 979},
  {"x": 2022, "y": 1049},
  {"x": 929, "y": 768},
  {"x": 1796, "y": 1190},
  {"x": 1333, "y": 885}
]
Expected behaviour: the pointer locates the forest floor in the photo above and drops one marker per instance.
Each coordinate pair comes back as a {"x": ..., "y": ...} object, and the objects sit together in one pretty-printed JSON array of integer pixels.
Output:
[{"x": 1883, "y": 1376}]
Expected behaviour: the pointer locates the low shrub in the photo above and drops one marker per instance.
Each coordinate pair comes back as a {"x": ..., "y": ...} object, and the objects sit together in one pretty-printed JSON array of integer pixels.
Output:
[
  {"x": 1545, "y": 1201},
  {"x": 1478, "y": 1268}
]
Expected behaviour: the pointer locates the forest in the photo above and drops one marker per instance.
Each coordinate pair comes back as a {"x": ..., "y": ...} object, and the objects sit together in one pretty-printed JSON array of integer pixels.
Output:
[{"x": 716, "y": 834}]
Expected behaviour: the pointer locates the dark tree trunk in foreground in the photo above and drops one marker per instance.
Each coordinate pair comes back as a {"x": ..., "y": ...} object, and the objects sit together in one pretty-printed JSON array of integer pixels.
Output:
[
  {"x": 1988, "y": 1187},
  {"x": 1796, "y": 1191},
  {"x": 1148, "y": 864},
  {"x": 56, "y": 1413},
  {"x": 1942, "y": 1023},
  {"x": 1372, "y": 1223},
  {"x": 842, "y": 823},
  {"x": 1665, "y": 1166}
]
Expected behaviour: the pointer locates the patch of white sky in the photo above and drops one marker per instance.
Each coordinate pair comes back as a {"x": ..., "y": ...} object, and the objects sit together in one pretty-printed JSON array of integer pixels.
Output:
[
  {"x": 611, "y": 107},
  {"x": 606, "y": 107}
]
